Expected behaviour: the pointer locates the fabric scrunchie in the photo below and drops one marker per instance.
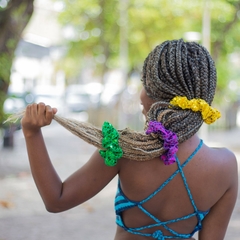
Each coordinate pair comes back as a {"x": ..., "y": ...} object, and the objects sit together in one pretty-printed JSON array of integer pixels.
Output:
[
  {"x": 112, "y": 151},
  {"x": 209, "y": 114},
  {"x": 170, "y": 141}
]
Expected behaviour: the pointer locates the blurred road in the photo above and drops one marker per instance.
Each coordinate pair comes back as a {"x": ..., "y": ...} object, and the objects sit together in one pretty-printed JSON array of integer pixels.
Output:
[{"x": 23, "y": 215}]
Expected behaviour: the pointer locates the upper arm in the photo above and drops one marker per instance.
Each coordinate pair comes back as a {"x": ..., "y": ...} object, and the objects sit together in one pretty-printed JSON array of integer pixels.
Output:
[
  {"x": 216, "y": 222},
  {"x": 86, "y": 182}
]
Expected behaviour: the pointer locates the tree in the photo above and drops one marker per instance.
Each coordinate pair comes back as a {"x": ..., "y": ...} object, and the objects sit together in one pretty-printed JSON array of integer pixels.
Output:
[
  {"x": 225, "y": 38},
  {"x": 13, "y": 19},
  {"x": 95, "y": 26},
  {"x": 95, "y": 29},
  {"x": 93, "y": 32}
]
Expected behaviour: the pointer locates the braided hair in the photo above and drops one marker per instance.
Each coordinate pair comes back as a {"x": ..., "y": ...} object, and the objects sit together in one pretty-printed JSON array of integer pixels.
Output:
[
  {"x": 173, "y": 68},
  {"x": 178, "y": 68}
]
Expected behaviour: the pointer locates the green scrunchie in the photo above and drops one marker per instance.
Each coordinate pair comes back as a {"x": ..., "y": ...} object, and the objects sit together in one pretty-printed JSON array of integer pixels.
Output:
[{"x": 110, "y": 142}]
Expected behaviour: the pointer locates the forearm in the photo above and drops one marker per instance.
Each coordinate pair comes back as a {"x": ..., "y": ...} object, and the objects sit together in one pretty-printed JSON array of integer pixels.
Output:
[{"x": 47, "y": 180}]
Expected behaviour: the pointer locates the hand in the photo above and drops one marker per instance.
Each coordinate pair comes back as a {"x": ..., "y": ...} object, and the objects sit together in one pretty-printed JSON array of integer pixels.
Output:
[{"x": 35, "y": 117}]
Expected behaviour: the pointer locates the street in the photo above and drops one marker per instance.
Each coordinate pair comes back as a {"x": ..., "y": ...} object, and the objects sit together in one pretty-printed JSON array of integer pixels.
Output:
[{"x": 22, "y": 213}]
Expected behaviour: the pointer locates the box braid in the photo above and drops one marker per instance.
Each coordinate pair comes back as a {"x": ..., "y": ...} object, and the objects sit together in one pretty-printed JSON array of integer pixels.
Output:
[
  {"x": 178, "y": 68},
  {"x": 173, "y": 68}
]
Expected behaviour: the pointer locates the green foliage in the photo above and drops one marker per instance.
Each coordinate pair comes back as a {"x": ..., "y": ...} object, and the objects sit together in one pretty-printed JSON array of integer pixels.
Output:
[
  {"x": 5, "y": 66},
  {"x": 95, "y": 31},
  {"x": 2, "y": 115},
  {"x": 14, "y": 16},
  {"x": 152, "y": 22},
  {"x": 221, "y": 29},
  {"x": 5, "y": 71}
]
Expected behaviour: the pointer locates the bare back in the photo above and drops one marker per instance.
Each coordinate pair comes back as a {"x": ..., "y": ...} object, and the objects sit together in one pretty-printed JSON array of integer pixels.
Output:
[{"x": 209, "y": 175}]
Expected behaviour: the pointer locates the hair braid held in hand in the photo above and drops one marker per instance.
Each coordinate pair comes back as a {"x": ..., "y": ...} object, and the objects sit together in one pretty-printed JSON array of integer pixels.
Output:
[
  {"x": 173, "y": 68},
  {"x": 178, "y": 68}
]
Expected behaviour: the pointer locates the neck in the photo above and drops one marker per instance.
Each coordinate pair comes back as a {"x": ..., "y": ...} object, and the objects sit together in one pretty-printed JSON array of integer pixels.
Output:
[{"x": 194, "y": 140}]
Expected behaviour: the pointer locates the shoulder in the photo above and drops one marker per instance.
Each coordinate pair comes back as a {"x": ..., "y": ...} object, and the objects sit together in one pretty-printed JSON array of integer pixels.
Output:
[
  {"x": 225, "y": 163},
  {"x": 218, "y": 166},
  {"x": 224, "y": 175},
  {"x": 225, "y": 157}
]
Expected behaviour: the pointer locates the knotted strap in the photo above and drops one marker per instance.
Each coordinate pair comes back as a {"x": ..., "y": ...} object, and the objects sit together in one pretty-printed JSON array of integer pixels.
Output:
[{"x": 158, "y": 235}]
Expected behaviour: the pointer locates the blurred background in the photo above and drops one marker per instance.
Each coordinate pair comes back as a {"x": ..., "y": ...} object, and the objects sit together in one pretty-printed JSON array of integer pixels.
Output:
[{"x": 85, "y": 58}]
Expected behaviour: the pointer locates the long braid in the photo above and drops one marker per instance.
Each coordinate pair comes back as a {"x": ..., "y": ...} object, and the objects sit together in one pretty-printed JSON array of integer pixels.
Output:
[
  {"x": 184, "y": 69},
  {"x": 173, "y": 68}
]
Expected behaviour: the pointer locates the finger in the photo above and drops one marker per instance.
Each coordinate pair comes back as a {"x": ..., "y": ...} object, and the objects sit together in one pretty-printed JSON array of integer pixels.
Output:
[
  {"x": 27, "y": 111},
  {"x": 33, "y": 110},
  {"x": 54, "y": 110},
  {"x": 41, "y": 108},
  {"x": 30, "y": 113},
  {"x": 49, "y": 114}
]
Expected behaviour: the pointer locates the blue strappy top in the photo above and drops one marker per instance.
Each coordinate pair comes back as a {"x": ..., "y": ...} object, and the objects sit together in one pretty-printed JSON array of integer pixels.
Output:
[{"x": 122, "y": 203}]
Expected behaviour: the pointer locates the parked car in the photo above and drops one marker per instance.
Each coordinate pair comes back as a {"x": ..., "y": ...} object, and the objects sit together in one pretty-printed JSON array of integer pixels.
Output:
[
  {"x": 76, "y": 98},
  {"x": 13, "y": 105},
  {"x": 17, "y": 101},
  {"x": 80, "y": 97},
  {"x": 50, "y": 95}
]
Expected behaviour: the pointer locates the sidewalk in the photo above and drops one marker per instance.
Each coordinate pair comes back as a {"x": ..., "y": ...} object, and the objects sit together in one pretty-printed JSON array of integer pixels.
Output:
[{"x": 23, "y": 215}]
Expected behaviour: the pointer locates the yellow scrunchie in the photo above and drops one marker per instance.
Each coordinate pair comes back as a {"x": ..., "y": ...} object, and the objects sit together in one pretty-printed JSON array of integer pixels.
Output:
[{"x": 209, "y": 114}]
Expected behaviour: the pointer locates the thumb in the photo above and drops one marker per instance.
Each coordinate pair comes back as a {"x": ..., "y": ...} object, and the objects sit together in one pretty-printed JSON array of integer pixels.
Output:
[{"x": 54, "y": 110}]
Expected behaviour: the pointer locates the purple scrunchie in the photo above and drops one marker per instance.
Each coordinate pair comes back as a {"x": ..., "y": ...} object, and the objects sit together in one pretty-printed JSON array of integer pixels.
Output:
[{"x": 170, "y": 141}]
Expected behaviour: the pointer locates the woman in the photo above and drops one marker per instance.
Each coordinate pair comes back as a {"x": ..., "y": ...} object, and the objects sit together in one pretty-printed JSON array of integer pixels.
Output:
[{"x": 170, "y": 183}]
